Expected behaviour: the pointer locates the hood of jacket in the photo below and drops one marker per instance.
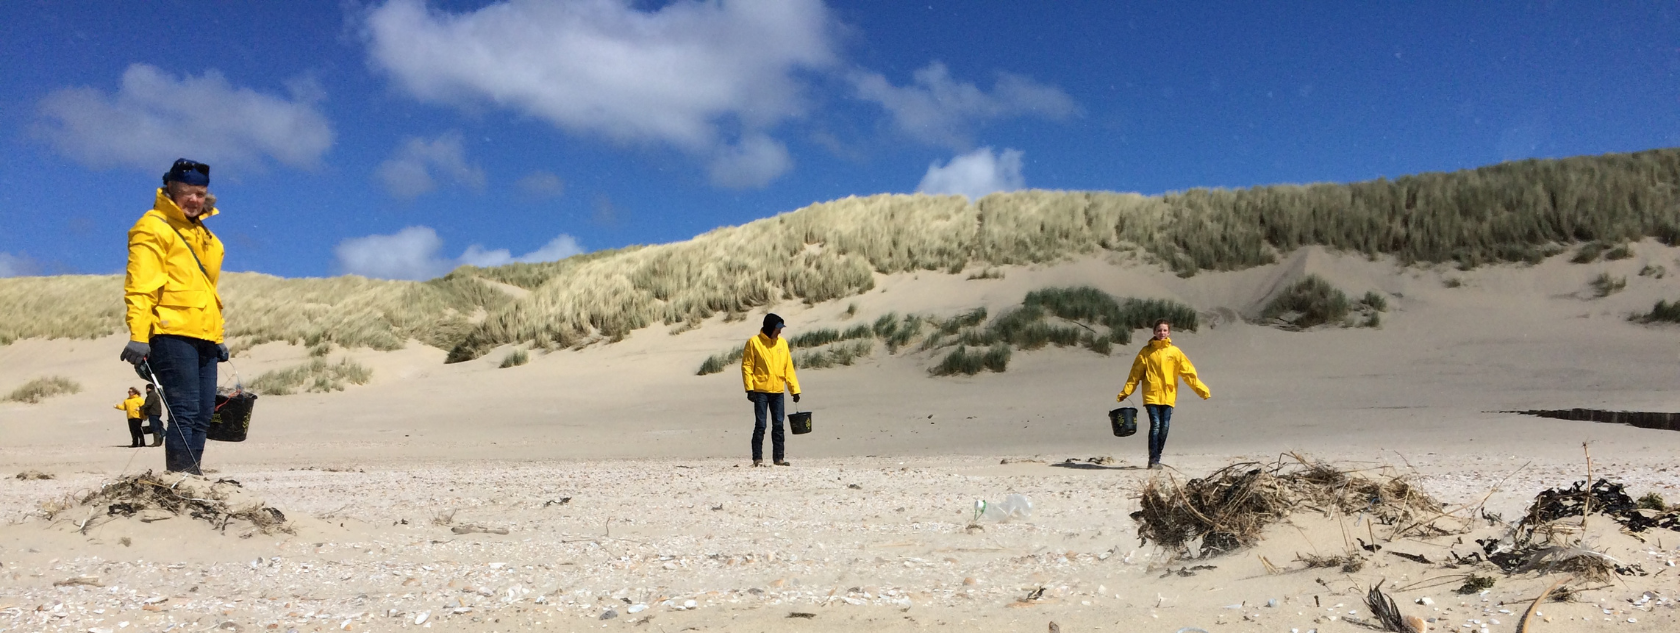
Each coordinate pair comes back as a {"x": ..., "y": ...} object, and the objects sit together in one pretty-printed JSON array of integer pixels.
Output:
[{"x": 166, "y": 205}]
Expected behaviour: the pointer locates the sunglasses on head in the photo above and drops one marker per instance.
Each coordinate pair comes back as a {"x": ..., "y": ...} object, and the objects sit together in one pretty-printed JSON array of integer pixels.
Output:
[{"x": 185, "y": 165}]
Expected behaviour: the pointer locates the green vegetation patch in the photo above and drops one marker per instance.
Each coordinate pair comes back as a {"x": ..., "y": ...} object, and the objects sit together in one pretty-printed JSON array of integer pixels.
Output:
[
  {"x": 1605, "y": 285},
  {"x": 1313, "y": 301},
  {"x": 515, "y": 358},
  {"x": 42, "y": 388},
  {"x": 1063, "y": 317},
  {"x": 968, "y": 362},
  {"x": 719, "y": 362},
  {"x": 836, "y": 355},
  {"x": 1663, "y": 312},
  {"x": 315, "y": 376}
]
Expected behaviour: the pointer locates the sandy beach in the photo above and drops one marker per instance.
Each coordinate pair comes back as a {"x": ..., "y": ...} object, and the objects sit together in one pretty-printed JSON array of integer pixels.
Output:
[{"x": 621, "y": 481}]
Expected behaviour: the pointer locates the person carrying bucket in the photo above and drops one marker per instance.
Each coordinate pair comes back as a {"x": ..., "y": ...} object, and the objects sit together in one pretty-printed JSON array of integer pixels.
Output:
[
  {"x": 174, "y": 312},
  {"x": 767, "y": 371},
  {"x": 132, "y": 406},
  {"x": 1159, "y": 366}
]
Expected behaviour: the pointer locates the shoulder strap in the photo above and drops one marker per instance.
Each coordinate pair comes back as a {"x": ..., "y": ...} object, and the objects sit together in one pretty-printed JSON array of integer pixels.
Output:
[{"x": 188, "y": 244}]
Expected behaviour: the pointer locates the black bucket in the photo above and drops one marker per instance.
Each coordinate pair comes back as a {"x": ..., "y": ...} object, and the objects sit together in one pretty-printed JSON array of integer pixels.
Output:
[
  {"x": 1124, "y": 421},
  {"x": 800, "y": 422},
  {"x": 232, "y": 419}
]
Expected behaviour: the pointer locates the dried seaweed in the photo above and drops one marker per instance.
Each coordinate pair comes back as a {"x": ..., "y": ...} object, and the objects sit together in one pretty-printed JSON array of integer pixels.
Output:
[
  {"x": 206, "y": 501},
  {"x": 1229, "y": 508}
]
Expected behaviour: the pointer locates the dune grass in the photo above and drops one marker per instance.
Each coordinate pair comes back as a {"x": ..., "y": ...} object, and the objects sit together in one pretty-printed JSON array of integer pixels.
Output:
[
  {"x": 1605, "y": 285},
  {"x": 515, "y": 358},
  {"x": 1050, "y": 316},
  {"x": 39, "y": 389},
  {"x": 1064, "y": 317},
  {"x": 347, "y": 311},
  {"x": 316, "y": 376},
  {"x": 1512, "y": 212},
  {"x": 836, "y": 355},
  {"x": 1312, "y": 301},
  {"x": 719, "y": 362},
  {"x": 1662, "y": 312},
  {"x": 970, "y": 362}
]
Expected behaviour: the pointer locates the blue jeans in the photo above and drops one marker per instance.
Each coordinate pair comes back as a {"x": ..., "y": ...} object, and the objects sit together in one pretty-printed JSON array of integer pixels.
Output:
[
  {"x": 1160, "y": 420},
  {"x": 186, "y": 369},
  {"x": 768, "y": 403}
]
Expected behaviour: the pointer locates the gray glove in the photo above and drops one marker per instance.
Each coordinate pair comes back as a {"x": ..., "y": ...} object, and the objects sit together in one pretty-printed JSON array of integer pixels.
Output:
[
  {"x": 221, "y": 353},
  {"x": 135, "y": 352}
]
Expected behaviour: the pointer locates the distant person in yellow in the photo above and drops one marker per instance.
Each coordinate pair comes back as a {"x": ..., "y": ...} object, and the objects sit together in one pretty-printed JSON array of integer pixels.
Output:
[
  {"x": 174, "y": 312},
  {"x": 132, "y": 406},
  {"x": 1158, "y": 367},
  {"x": 767, "y": 371}
]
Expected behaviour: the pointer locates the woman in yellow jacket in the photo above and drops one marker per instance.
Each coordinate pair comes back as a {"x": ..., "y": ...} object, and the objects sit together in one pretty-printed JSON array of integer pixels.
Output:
[
  {"x": 767, "y": 371},
  {"x": 131, "y": 406},
  {"x": 1159, "y": 367},
  {"x": 174, "y": 312}
]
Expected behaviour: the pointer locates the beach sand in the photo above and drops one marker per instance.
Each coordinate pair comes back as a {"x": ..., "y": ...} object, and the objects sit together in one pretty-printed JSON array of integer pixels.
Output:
[{"x": 873, "y": 525}]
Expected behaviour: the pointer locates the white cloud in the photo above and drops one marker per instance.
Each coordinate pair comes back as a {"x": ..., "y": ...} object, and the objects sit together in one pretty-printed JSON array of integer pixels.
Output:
[
  {"x": 542, "y": 184},
  {"x": 939, "y": 110},
  {"x": 407, "y": 254},
  {"x": 670, "y": 75},
  {"x": 410, "y": 172},
  {"x": 15, "y": 266},
  {"x": 412, "y": 253},
  {"x": 753, "y": 163},
  {"x": 556, "y": 249},
  {"x": 155, "y": 118},
  {"x": 975, "y": 174}
]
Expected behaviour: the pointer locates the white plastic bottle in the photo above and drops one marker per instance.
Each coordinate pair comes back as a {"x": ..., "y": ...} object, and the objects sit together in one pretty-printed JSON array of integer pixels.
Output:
[{"x": 1013, "y": 507}]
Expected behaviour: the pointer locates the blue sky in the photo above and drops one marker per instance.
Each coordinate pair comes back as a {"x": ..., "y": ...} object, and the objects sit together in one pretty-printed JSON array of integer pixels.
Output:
[{"x": 400, "y": 138}]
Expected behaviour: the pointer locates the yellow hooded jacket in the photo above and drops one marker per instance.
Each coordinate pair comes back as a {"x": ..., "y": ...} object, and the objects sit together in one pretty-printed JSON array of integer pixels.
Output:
[
  {"x": 1159, "y": 366},
  {"x": 167, "y": 291},
  {"x": 131, "y": 406},
  {"x": 767, "y": 366}
]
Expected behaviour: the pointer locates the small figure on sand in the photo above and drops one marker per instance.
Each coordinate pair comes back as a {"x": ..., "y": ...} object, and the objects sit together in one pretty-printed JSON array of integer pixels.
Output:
[
  {"x": 153, "y": 410},
  {"x": 132, "y": 406},
  {"x": 767, "y": 371},
  {"x": 174, "y": 312},
  {"x": 1159, "y": 366}
]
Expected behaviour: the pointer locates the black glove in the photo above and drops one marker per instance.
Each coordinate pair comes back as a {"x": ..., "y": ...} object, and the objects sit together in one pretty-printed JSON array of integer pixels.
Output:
[
  {"x": 750, "y": 398},
  {"x": 796, "y": 397},
  {"x": 221, "y": 353},
  {"x": 135, "y": 352}
]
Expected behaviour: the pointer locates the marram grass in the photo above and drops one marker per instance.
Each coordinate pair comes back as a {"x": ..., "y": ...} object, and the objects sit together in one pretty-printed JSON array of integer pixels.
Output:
[
  {"x": 42, "y": 388},
  {"x": 1512, "y": 212}
]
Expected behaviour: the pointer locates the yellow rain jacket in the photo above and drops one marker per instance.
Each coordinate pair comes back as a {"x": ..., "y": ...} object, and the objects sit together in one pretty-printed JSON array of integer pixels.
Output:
[
  {"x": 167, "y": 291},
  {"x": 1159, "y": 366},
  {"x": 767, "y": 366},
  {"x": 131, "y": 406}
]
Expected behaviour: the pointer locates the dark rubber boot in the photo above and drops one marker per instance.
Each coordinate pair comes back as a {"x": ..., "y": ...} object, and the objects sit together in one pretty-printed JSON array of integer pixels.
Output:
[{"x": 176, "y": 462}]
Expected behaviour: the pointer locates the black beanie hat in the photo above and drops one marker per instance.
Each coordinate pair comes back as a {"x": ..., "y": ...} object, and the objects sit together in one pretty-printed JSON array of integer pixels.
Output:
[
  {"x": 188, "y": 172},
  {"x": 771, "y": 321}
]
